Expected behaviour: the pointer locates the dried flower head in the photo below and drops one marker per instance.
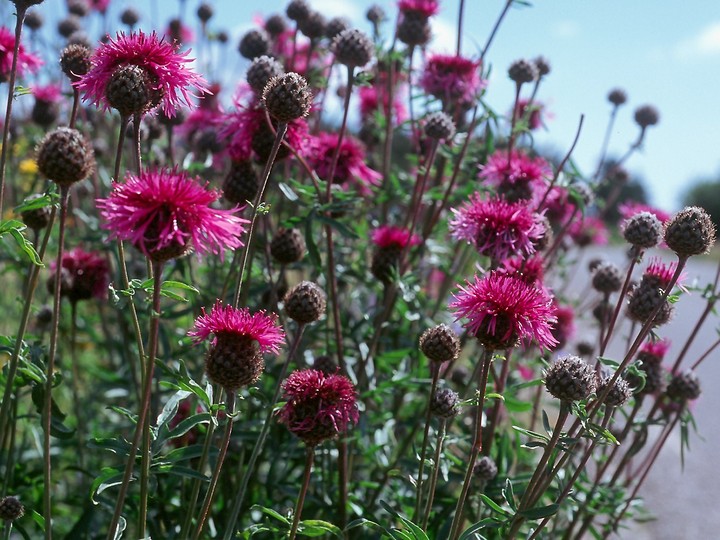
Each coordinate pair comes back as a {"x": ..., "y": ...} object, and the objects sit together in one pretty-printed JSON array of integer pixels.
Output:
[
  {"x": 165, "y": 213},
  {"x": 690, "y": 232},
  {"x": 240, "y": 339},
  {"x": 11, "y": 508},
  {"x": 619, "y": 394},
  {"x": 502, "y": 310},
  {"x": 617, "y": 96},
  {"x": 607, "y": 278},
  {"x": 287, "y": 97},
  {"x": 352, "y": 48},
  {"x": 445, "y": 403},
  {"x": 288, "y": 245},
  {"x": 643, "y": 230},
  {"x": 570, "y": 379},
  {"x": 318, "y": 406},
  {"x": 684, "y": 387},
  {"x": 65, "y": 156},
  {"x": 305, "y": 302},
  {"x": 166, "y": 68},
  {"x": 440, "y": 344},
  {"x": 523, "y": 71},
  {"x": 485, "y": 469},
  {"x": 647, "y": 115}
]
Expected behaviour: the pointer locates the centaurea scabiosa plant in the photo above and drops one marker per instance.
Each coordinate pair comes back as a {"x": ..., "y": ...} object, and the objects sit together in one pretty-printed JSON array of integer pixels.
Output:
[{"x": 165, "y": 214}]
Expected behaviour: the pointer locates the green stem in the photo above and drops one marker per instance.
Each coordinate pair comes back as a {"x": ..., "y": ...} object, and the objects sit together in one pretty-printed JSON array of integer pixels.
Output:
[
  {"x": 476, "y": 447},
  {"x": 232, "y": 396},
  {"x": 309, "y": 455},
  {"x": 52, "y": 353},
  {"x": 435, "y": 473},
  {"x": 260, "y": 441},
  {"x": 426, "y": 433},
  {"x": 140, "y": 427}
]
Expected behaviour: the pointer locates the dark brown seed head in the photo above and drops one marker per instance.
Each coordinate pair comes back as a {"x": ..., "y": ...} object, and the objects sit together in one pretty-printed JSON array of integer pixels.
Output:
[
  {"x": 690, "y": 232},
  {"x": 375, "y": 14},
  {"x": 617, "y": 96},
  {"x": 287, "y": 97},
  {"x": 11, "y": 508},
  {"x": 684, "y": 387},
  {"x": 647, "y": 115},
  {"x": 445, "y": 403},
  {"x": 132, "y": 90},
  {"x": 288, "y": 246},
  {"x": 262, "y": 69},
  {"x": 384, "y": 264},
  {"x": 485, "y": 469},
  {"x": 254, "y": 43},
  {"x": 234, "y": 361},
  {"x": 313, "y": 26},
  {"x": 607, "y": 278},
  {"x": 440, "y": 126},
  {"x": 275, "y": 25},
  {"x": 335, "y": 26},
  {"x": 352, "y": 48},
  {"x": 65, "y": 157},
  {"x": 205, "y": 12},
  {"x": 45, "y": 113},
  {"x": 297, "y": 10},
  {"x": 543, "y": 65},
  {"x": 37, "y": 218},
  {"x": 325, "y": 364},
  {"x": 522, "y": 71},
  {"x": 643, "y": 230},
  {"x": 440, "y": 344},
  {"x": 69, "y": 26},
  {"x": 129, "y": 17},
  {"x": 619, "y": 394},
  {"x": 644, "y": 299},
  {"x": 33, "y": 20},
  {"x": 75, "y": 61},
  {"x": 79, "y": 8},
  {"x": 305, "y": 302},
  {"x": 414, "y": 29},
  {"x": 241, "y": 183},
  {"x": 570, "y": 379}
]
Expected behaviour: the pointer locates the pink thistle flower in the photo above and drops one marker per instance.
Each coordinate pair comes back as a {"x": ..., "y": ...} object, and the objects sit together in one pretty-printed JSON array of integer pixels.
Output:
[
  {"x": 388, "y": 236},
  {"x": 27, "y": 62},
  {"x": 565, "y": 327},
  {"x": 452, "y": 78},
  {"x": 498, "y": 228},
  {"x": 655, "y": 348},
  {"x": 661, "y": 274},
  {"x": 374, "y": 99},
  {"x": 502, "y": 310},
  {"x": 531, "y": 271},
  {"x": 518, "y": 169},
  {"x": 318, "y": 407},
  {"x": 164, "y": 213},
  {"x": 50, "y": 93},
  {"x": 589, "y": 230},
  {"x": 426, "y": 8},
  {"x": 85, "y": 275},
  {"x": 629, "y": 209},
  {"x": 351, "y": 161},
  {"x": 532, "y": 112},
  {"x": 160, "y": 59},
  {"x": 227, "y": 320}
]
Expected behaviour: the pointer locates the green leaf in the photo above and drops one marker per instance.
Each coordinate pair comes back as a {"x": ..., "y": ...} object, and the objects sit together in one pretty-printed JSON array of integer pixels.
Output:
[
  {"x": 417, "y": 532},
  {"x": 540, "y": 512},
  {"x": 178, "y": 470},
  {"x": 515, "y": 405},
  {"x": 171, "y": 407},
  {"x": 509, "y": 495},
  {"x": 487, "y": 523},
  {"x": 317, "y": 527},
  {"x": 14, "y": 228},
  {"x": 494, "y": 506},
  {"x": 272, "y": 513},
  {"x": 109, "y": 477}
]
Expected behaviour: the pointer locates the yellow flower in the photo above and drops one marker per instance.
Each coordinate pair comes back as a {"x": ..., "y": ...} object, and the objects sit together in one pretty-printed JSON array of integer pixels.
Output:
[{"x": 28, "y": 166}]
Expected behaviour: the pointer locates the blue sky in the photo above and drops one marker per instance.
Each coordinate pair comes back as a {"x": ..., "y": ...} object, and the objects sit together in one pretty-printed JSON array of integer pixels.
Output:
[
  {"x": 665, "y": 53},
  {"x": 659, "y": 52}
]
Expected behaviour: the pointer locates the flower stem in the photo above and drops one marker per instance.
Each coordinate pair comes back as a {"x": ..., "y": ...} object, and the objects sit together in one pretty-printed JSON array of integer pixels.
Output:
[
  {"x": 495, "y": 29},
  {"x": 52, "y": 353},
  {"x": 141, "y": 426},
  {"x": 75, "y": 107},
  {"x": 426, "y": 433},
  {"x": 476, "y": 446},
  {"x": 75, "y": 382},
  {"x": 7, "y": 399},
  {"x": 21, "y": 9},
  {"x": 281, "y": 130},
  {"x": 618, "y": 306},
  {"x": 435, "y": 473},
  {"x": 260, "y": 441},
  {"x": 309, "y": 456},
  {"x": 231, "y": 399}
]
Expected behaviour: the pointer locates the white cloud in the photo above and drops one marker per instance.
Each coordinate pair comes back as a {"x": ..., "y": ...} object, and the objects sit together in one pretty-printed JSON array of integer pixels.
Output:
[{"x": 705, "y": 43}]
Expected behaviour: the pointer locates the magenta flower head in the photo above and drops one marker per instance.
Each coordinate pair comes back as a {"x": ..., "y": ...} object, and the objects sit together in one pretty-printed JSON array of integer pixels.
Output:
[
  {"x": 518, "y": 177},
  {"x": 351, "y": 162},
  {"x": 240, "y": 339},
  {"x": 503, "y": 309},
  {"x": 389, "y": 236},
  {"x": 318, "y": 406},
  {"x": 589, "y": 230},
  {"x": 531, "y": 111},
  {"x": 27, "y": 62},
  {"x": 85, "y": 275},
  {"x": 140, "y": 71},
  {"x": 654, "y": 350},
  {"x": 498, "y": 228},
  {"x": 165, "y": 213},
  {"x": 425, "y": 8},
  {"x": 452, "y": 78}
]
